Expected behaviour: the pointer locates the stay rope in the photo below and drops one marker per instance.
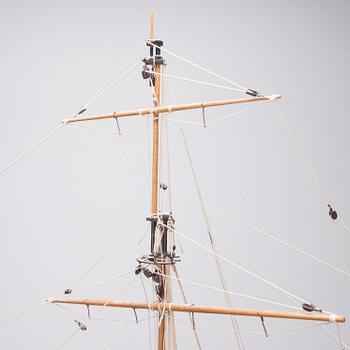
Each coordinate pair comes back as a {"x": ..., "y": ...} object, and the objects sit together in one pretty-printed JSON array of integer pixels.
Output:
[
  {"x": 244, "y": 89},
  {"x": 206, "y": 218}
]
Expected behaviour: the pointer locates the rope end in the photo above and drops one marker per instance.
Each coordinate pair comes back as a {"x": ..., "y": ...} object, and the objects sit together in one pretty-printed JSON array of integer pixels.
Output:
[{"x": 274, "y": 97}]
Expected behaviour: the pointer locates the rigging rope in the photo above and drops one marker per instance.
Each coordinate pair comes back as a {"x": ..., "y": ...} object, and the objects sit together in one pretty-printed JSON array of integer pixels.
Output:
[
  {"x": 112, "y": 80},
  {"x": 308, "y": 164},
  {"x": 197, "y": 81},
  {"x": 244, "y": 89},
  {"x": 31, "y": 148},
  {"x": 206, "y": 218},
  {"x": 27, "y": 309},
  {"x": 268, "y": 235},
  {"x": 197, "y": 284},
  {"x": 251, "y": 264},
  {"x": 186, "y": 302},
  {"x": 239, "y": 267},
  {"x": 110, "y": 251},
  {"x": 98, "y": 339},
  {"x": 218, "y": 329}
]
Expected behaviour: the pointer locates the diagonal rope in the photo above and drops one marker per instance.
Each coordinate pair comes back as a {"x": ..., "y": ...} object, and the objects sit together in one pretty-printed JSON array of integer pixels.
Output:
[
  {"x": 25, "y": 310},
  {"x": 186, "y": 302},
  {"x": 113, "y": 78},
  {"x": 199, "y": 67},
  {"x": 206, "y": 218},
  {"x": 218, "y": 329},
  {"x": 336, "y": 337},
  {"x": 110, "y": 251},
  {"x": 239, "y": 267},
  {"x": 96, "y": 313},
  {"x": 224, "y": 213},
  {"x": 308, "y": 164},
  {"x": 196, "y": 81},
  {"x": 98, "y": 340},
  {"x": 268, "y": 235},
  {"x": 31, "y": 148},
  {"x": 66, "y": 340},
  {"x": 236, "y": 252}
]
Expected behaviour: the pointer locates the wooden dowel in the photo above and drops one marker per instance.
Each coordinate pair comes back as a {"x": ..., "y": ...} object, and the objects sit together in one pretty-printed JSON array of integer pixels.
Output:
[
  {"x": 169, "y": 109},
  {"x": 205, "y": 309}
]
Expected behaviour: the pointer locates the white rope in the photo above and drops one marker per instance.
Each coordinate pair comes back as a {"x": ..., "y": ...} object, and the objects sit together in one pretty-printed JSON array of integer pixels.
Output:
[
  {"x": 120, "y": 83},
  {"x": 94, "y": 336},
  {"x": 288, "y": 330},
  {"x": 237, "y": 113},
  {"x": 336, "y": 337},
  {"x": 31, "y": 148},
  {"x": 112, "y": 80},
  {"x": 108, "y": 279},
  {"x": 195, "y": 333},
  {"x": 96, "y": 313},
  {"x": 111, "y": 299},
  {"x": 250, "y": 263},
  {"x": 344, "y": 224},
  {"x": 27, "y": 309},
  {"x": 268, "y": 235},
  {"x": 206, "y": 218},
  {"x": 148, "y": 313},
  {"x": 197, "y": 81},
  {"x": 65, "y": 341},
  {"x": 197, "y": 284},
  {"x": 84, "y": 316},
  {"x": 240, "y": 267},
  {"x": 218, "y": 329},
  {"x": 227, "y": 116},
  {"x": 200, "y": 67},
  {"x": 308, "y": 164},
  {"x": 264, "y": 233},
  {"x": 303, "y": 155},
  {"x": 109, "y": 252}
]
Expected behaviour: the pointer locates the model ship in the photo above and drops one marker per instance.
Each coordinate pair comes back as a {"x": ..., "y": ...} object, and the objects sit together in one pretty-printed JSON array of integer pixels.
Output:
[{"x": 159, "y": 263}]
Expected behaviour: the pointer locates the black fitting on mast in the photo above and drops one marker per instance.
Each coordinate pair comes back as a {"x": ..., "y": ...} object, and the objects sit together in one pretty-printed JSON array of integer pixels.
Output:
[
  {"x": 153, "y": 59},
  {"x": 163, "y": 248}
]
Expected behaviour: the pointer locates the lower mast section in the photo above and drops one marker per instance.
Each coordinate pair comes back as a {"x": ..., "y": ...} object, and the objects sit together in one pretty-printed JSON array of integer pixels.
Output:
[{"x": 156, "y": 264}]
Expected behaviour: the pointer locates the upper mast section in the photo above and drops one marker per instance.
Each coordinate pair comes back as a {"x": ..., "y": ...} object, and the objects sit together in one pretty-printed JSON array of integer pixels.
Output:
[{"x": 152, "y": 72}]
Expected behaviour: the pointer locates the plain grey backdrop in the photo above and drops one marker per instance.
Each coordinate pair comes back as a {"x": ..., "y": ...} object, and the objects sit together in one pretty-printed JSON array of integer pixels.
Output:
[{"x": 65, "y": 204}]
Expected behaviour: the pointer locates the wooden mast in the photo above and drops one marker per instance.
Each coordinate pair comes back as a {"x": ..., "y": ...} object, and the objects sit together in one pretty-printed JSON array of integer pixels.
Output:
[
  {"x": 155, "y": 180},
  {"x": 164, "y": 303}
]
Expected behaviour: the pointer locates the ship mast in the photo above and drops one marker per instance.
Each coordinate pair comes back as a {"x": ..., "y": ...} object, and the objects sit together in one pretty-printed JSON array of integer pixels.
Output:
[
  {"x": 162, "y": 296},
  {"x": 157, "y": 263}
]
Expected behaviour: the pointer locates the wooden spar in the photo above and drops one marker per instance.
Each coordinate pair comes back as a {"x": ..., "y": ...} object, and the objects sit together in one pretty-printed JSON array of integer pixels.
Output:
[
  {"x": 174, "y": 108},
  {"x": 155, "y": 175},
  {"x": 155, "y": 155},
  {"x": 204, "y": 309},
  {"x": 151, "y": 36}
]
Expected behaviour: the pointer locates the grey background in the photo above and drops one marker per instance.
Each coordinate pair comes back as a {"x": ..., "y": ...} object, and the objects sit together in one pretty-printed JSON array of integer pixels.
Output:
[{"x": 67, "y": 203}]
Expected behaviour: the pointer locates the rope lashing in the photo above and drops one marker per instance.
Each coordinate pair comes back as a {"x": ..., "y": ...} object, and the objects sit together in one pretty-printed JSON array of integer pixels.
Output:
[
  {"x": 264, "y": 327},
  {"x": 310, "y": 308},
  {"x": 117, "y": 122},
  {"x": 88, "y": 311},
  {"x": 332, "y": 213},
  {"x": 81, "y": 325},
  {"x": 203, "y": 118},
  {"x": 193, "y": 320},
  {"x": 136, "y": 318}
]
